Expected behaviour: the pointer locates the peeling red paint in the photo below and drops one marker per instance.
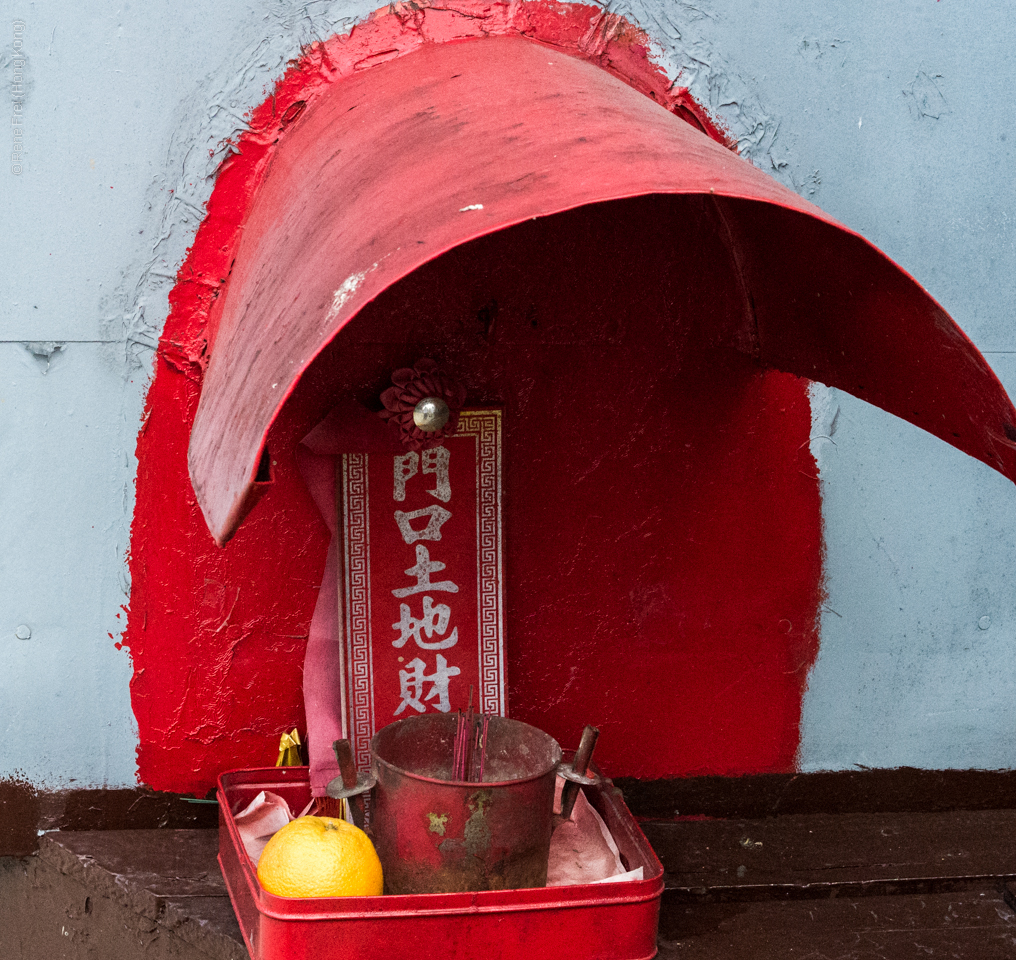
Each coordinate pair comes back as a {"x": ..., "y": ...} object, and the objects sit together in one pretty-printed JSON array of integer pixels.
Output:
[{"x": 217, "y": 636}]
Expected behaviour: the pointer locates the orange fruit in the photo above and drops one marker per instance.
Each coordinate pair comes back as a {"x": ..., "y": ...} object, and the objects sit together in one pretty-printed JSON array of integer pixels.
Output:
[{"x": 320, "y": 857}]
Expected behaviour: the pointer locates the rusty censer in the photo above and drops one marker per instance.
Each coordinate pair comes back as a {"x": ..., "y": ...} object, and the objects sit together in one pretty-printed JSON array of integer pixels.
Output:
[{"x": 438, "y": 834}]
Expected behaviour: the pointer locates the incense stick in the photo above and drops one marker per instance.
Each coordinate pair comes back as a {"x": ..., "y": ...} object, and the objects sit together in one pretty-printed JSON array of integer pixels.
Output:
[{"x": 469, "y": 748}]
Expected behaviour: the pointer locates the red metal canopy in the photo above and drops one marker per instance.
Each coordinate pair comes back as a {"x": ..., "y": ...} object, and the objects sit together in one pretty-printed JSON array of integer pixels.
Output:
[{"x": 398, "y": 165}]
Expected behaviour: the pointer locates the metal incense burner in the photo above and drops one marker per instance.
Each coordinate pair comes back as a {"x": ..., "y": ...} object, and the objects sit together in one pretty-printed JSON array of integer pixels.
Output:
[{"x": 437, "y": 834}]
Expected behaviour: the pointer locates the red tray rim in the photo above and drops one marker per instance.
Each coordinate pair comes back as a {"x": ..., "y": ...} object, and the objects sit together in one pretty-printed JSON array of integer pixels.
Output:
[{"x": 429, "y": 904}]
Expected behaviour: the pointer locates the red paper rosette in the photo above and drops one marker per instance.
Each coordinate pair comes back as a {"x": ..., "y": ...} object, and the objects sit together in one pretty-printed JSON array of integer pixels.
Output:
[{"x": 411, "y": 385}]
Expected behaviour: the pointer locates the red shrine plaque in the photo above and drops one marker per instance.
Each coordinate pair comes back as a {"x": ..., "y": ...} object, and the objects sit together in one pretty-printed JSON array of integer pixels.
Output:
[{"x": 421, "y": 598}]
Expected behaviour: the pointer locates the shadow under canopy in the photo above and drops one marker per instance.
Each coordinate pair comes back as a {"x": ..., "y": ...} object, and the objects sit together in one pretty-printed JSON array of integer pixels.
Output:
[{"x": 612, "y": 228}]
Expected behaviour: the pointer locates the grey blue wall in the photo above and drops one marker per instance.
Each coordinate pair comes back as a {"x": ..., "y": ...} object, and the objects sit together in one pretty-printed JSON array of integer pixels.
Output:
[{"x": 895, "y": 118}]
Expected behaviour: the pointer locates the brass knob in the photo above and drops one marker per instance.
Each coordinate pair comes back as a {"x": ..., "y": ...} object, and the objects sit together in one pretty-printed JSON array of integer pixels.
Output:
[{"x": 431, "y": 414}]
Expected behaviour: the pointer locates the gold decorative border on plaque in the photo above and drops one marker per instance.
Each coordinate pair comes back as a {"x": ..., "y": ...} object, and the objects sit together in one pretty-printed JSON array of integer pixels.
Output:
[
  {"x": 485, "y": 425},
  {"x": 356, "y": 547}
]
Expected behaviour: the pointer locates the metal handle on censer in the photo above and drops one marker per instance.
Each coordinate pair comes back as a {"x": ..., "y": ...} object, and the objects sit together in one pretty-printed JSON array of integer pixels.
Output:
[
  {"x": 576, "y": 772},
  {"x": 350, "y": 785}
]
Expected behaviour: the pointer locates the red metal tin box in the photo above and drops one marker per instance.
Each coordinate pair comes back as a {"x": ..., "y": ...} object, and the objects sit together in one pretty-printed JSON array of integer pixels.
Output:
[{"x": 604, "y": 921}]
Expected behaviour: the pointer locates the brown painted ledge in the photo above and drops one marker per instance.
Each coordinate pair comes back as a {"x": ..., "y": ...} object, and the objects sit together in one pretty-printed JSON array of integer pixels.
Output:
[
  {"x": 821, "y": 886},
  {"x": 898, "y": 790},
  {"x": 25, "y": 811},
  {"x": 118, "y": 895}
]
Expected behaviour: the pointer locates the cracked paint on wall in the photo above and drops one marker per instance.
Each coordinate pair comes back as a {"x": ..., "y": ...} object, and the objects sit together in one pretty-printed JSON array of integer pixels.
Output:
[{"x": 217, "y": 636}]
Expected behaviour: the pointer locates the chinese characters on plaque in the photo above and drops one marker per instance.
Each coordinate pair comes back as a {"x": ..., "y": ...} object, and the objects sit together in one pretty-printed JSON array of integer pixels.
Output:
[{"x": 422, "y": 570}]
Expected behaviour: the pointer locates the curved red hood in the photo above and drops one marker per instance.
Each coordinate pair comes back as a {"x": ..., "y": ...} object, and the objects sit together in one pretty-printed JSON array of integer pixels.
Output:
[{"x": 395, "y": 166}]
